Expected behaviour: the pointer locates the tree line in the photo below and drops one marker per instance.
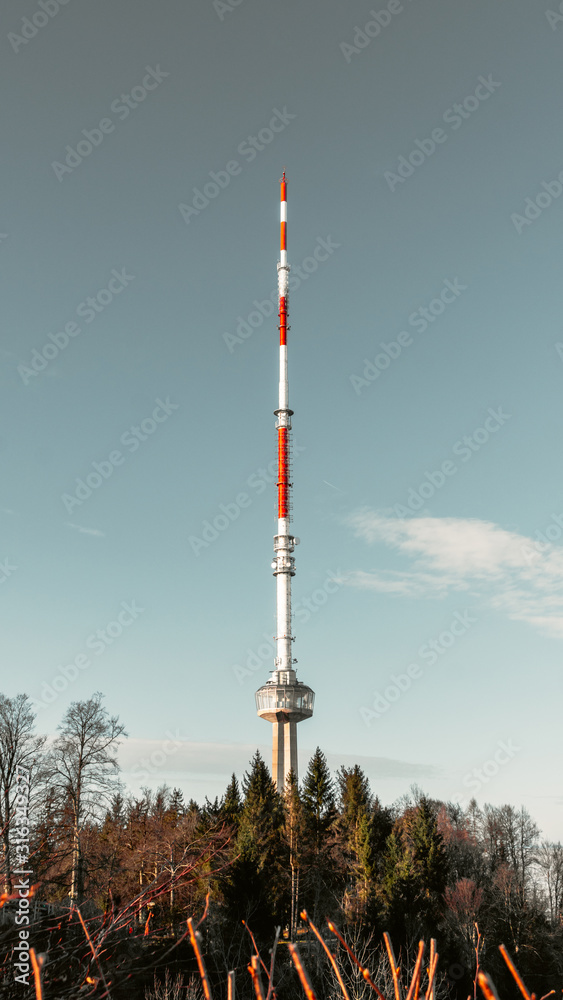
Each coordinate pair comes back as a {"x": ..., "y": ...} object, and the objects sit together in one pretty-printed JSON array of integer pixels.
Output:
[{"x": 138, "y": 866}]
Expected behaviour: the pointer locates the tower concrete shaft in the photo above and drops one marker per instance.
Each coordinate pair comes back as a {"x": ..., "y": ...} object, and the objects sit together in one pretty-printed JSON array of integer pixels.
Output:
[{"x": 283, "y": 700}]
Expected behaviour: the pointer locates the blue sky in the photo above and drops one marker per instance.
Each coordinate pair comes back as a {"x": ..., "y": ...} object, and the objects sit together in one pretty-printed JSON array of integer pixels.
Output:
[{"x": 423, "y": 153}]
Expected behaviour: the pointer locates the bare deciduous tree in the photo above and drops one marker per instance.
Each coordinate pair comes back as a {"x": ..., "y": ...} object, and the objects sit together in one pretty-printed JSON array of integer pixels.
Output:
[
  {"x": 550, "y": 860},
  {"x": 84, "y": 768},
  {"x": 19, "y": 747}
]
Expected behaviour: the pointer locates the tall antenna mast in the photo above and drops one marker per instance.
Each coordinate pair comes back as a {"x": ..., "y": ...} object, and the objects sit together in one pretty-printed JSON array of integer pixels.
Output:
[{"x": 283, "y": 700}]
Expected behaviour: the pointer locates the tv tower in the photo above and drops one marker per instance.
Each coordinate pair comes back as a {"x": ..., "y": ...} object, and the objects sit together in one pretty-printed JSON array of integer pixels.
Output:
[{"x": 283, "y": 700}]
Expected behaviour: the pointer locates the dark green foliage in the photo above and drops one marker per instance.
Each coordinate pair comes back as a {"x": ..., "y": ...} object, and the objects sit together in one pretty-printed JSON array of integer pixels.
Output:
[
  {"x": 176, "y": 805},
  {"x": 258, "y": 786},
  {"x": 261, "y": 816},
  {"x": 415, "y": 874},
  {"x": 318, "y": 798},
  {"x": 231, "y": 805},
  {"x": 255, "y": 888},
  {"x": 210, "y": 814},
  {"x": 321, "y": 874},
  {"x": 372, "y": 832},
  {"x": 355, "y": 796}
]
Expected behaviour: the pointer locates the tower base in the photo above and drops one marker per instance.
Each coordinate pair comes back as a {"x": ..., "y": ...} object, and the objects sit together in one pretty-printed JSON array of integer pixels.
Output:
[{"x": 284, "y": 751}]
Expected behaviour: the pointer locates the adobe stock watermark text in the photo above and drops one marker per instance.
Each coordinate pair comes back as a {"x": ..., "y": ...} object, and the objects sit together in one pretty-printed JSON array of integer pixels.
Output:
[
  {"x": 88, "y": 310},
  {"x": 420, "y": 320},
  {"x": 430, "y": 651},
  {"x": 248, "y": 149},
  {"x": 131, "y": 439},
  {"x": 455, "y": 116},
  {"x": 98, "y": 642},
  {"x": 31, "y": 26},
  {"x": 122, "y": 107}
]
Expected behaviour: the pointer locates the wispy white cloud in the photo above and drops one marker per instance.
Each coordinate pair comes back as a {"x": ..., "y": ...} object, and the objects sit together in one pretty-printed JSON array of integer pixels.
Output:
[
  {"x": 86, "y": 531},
  {"x": 513, "y": 573}
]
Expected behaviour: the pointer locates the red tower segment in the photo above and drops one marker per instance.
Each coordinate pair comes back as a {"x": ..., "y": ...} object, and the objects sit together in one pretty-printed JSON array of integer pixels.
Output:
[{"x": 283, "y": 472}]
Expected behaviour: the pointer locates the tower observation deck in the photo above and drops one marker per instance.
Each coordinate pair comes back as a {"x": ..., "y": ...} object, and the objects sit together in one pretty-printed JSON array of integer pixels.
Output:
[{"x": 283, "y": 700}]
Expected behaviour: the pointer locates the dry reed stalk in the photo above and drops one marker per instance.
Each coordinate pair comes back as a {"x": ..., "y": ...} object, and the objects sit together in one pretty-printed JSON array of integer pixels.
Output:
[
  {"x": 301, "y": 971},
  {"x": 254, "y": 969},
  {"x": 432, "y": 978},
  {"x": 364, "y": 971},
  {"x": 37, "y": 963},
  {"x": 253, "y": 939},
  {"x": 331, "y": 958},
  {"x": 394, "y": 967},
  {"x": 515, "y": 974},
  {"x": 487, "y": 987},
  {"x": 271, "y": 992},
  {"x": 477, "y": 966},
  {"x": 432, "y": 970},
  {"x": 94, "y": 951},
  {"x": 417, "y": 988},
  {"x": 194, "y": 938},
  {"x": 416, "y": 974},
  {"x": 205, "y": 912}
]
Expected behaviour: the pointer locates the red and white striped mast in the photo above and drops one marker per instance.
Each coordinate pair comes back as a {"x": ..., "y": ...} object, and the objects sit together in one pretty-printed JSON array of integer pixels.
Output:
[
  {"x": 284, "y": 700},
  {"x": 284, "y": 542}
]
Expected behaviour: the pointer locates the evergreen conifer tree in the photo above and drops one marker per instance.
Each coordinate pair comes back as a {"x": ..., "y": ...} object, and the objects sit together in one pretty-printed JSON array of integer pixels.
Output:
[
  {"x": 321, "y": 863},
  {"x": 231, "y": 805},
  {"x": 176, "y": 805},
  {"x": 257, "y": 887},
  {"x": 355, "y": 797},
  {"x": 415, "y": 874},
  {"x": 261, "y": 814},
  {"x": 318, "y": 798}
]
